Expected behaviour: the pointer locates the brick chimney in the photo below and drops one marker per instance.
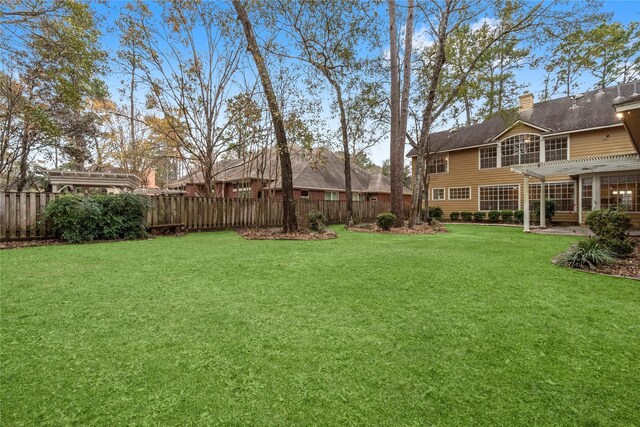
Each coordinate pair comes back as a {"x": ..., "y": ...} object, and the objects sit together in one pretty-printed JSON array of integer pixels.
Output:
[
  {"x": 526, "y": 101},
  {"x": 151, "y": 178}
]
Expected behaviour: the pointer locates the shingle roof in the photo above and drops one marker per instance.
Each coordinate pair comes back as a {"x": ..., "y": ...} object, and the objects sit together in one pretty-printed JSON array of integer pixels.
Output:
[
  {"x": 320, "y": 169},
  {"x": 591, "y": 110}
]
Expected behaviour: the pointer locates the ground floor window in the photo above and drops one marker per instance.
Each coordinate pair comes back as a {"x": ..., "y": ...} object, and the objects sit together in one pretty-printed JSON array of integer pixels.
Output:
[
  {"x": 304, "y": 194},
  {"x": 587, "y": 194},
  {"x": 499, "y": 197},
  {"x": 331, "y": 195},
  {"x": 620, "y": 192},
  {"x": 459, "y": 193},
  {"x": 437, "y": 194},
  {"x": 563, "y": 193},
  {"x": 357, "y": 197}
]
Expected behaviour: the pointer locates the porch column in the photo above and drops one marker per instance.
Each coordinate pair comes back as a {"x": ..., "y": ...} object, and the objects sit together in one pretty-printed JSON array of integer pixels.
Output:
[
  {"x": 543, "y": 206},
  {"x": 595, "y": 193},
  {"x": 526, "y": 227},
  {"x": 580, "y": 200}
]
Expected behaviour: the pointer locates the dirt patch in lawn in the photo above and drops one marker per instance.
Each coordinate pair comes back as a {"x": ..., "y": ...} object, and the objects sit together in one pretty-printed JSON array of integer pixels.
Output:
[
  {"x": 418, "y": 229},
  {"x": 277, "y": 234}
]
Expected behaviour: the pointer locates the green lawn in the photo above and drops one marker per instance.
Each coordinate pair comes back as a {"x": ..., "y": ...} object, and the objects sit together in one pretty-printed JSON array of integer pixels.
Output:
[{"x": 473, "y": 327}]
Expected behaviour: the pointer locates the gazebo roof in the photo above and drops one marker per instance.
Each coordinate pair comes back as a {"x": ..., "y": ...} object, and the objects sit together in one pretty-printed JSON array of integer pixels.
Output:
[
  {"x": 94, "y": 179},
  {"x": 606, "y": 163}
]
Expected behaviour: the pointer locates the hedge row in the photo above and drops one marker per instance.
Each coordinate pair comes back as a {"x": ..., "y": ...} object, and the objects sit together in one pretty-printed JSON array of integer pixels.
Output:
[{"x": 493, "y": 217}]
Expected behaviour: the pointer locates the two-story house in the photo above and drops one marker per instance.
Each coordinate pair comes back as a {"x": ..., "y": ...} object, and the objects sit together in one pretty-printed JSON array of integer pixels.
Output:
[{"x": 577, "y": 150}]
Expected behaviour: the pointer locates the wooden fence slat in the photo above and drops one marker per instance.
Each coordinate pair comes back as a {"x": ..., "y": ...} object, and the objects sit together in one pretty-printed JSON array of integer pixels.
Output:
[{"x": 21, "y": 214}]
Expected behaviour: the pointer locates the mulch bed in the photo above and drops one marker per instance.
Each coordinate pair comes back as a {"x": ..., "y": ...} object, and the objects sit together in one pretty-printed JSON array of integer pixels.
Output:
[
  {"x": 628, "y": 267},
  {"x": 418, "y": 229},
  {"x": 277, "y": 234}
]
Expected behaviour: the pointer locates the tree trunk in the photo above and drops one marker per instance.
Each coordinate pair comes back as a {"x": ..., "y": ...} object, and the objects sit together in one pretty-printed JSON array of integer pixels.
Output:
[
  {"x": 404, "y": 114},
  {"x": 290, "y": 223},
  {"x": 345, "y": 148},
  {"x": 395, "y": 162},
  {"x": 423, "y": 144}
]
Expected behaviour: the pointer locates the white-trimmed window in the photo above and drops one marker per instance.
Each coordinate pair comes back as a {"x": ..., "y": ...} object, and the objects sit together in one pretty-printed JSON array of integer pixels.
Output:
[
  {"x": 459, "y": 193},
  {"x": 357, "y": 197},
  {"x": 563, "y": 193},
  {"x": 304, "y": 194},
  {"x": 499, "y": 197},
  {"x": 556, "y": 149},
  {"x": 438, "y": 164},
  {"x": 437, "y": 194},
  {"x": 331, "y": 195},
  {"x": 489, "y": 157},
  {"x": 520, "y": 149},
  {"x": 620, "y": 191}
]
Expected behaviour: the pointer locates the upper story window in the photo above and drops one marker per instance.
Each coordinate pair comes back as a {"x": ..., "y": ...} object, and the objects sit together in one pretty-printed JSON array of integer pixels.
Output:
[
  {"x": 520, "y": 149},
  {"x": 489, "y": 157},
  {"x": 556, "y": 149},
  {"x": 438, "y": 164}
]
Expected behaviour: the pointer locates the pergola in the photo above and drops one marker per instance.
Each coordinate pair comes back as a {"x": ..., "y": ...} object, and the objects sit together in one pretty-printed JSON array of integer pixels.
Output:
[
  {"x": 572, "y": 167},
  {"x": 73, "y": 180}
]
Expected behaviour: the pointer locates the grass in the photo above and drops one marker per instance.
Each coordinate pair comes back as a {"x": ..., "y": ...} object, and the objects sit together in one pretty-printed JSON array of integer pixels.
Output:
[{"x": 473, "y": 327}]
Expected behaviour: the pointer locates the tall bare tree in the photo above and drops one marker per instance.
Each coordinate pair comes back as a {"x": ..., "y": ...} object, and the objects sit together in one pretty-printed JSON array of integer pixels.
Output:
[
  {"x": 399, "y": 102},
  {"x": 290, "y": 222}
]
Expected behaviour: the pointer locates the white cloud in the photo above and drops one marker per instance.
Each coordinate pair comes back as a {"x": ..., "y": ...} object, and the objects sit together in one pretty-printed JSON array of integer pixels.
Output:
[{"x": 491, "y": 22}]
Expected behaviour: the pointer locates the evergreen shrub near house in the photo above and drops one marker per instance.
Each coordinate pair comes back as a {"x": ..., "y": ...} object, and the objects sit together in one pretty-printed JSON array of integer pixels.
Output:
[
  {"x": 385, "y": 220},
  {"x": 454, "y": 216},
  {"x": 518, "y": 215},
  {"x": 317, "y": 221},
  {"x": 82, "y": 218},
  {"x": 550, "y": 209},
  {"x": 611, "y": 227},
  {"x": 466, "y": 216},
  {"x": 589, "y": 253},
  {"x": 436, "y": 213},
  {"x": 506, "y": 216},
  {"x": 493, "y": 216},
  {"x": 479, "y": 216}
]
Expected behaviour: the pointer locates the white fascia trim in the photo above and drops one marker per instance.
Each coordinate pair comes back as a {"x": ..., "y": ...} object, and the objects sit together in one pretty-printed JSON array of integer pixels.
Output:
[
  {"x": 626, "y": 107},
  {"x": 520, "y": 122}
]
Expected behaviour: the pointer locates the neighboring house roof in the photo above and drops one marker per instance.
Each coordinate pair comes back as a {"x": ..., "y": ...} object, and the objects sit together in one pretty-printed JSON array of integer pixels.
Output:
[
  {"x": 319, "y": 170},
  {"x": 580, "y": 112}
]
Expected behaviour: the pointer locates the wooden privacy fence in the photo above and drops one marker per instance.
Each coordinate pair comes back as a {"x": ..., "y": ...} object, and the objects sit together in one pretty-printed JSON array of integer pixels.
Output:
[{"x": 21, "y": 213}]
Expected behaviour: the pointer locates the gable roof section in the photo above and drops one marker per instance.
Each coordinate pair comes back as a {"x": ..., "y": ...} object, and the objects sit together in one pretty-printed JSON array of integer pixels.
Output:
[
  {"x": 591, "y": 110},
  {"x": 320, "y": 170}
]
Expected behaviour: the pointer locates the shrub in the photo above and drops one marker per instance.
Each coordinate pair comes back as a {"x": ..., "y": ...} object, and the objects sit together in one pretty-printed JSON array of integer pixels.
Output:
[
  {"x": 385, "y": 220},
  {"x": 609, "y": 224},
  {"x": 74, "y": 218},
  {"x": 123, "y": 216},
  {"x": 620, "y": 248},
  {"x": 78, "y": 218},
  {"x": 435, "y": 213},
  {"x": 454, "y": 216},
  {"x": 479, "y": 216},
  {"x": 466, "y": 216},
  {"x": 518, "y": 216},
  {"x": 493, "y": 216},
  {"x": 317, "y": 220},
  {"x": 506, "y": 216},
  {"x": 589, "y": 253},
  {"x": 550, "y": 209}
]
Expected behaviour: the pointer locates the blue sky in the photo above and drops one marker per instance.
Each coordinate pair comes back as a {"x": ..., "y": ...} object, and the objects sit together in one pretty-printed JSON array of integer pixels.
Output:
[{"x": 624, "y": 11}]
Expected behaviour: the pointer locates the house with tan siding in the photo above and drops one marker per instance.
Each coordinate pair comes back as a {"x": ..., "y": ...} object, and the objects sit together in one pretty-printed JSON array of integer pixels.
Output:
[{"x": 577, "y": 150}]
